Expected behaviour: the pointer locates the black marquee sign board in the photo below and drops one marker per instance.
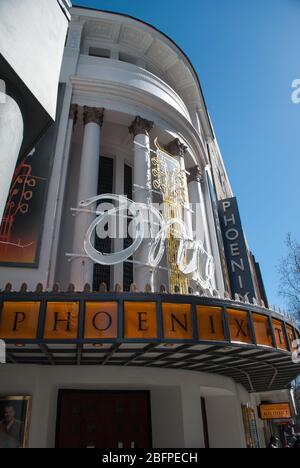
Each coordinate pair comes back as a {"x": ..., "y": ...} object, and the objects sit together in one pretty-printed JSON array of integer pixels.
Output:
[{"x": 236, "y": 249}]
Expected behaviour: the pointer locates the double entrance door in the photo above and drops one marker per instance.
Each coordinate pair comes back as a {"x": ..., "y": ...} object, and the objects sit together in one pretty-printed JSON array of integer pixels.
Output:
[{"x": 103, "y": 419}]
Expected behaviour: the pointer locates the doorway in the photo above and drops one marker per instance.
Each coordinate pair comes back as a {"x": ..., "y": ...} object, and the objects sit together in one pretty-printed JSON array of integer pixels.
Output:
[{"x": 103, "y": 419}]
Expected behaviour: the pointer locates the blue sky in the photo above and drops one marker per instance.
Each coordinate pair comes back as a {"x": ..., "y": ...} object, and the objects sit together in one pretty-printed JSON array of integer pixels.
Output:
[{"x": 247, "y": 54}]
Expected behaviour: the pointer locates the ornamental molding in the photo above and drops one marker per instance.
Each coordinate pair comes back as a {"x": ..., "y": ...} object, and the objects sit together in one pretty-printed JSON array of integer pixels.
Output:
[
  {"x": 196, "y": 174},
  {"x": 140, "y": 126},
  {"x": 176, "y": 148},
  {"x": 123, "y": 73},
  {"x": 73, "y": 114},
  {"x": 118, "y": 96},
  {"x": 93, "y": 115}
]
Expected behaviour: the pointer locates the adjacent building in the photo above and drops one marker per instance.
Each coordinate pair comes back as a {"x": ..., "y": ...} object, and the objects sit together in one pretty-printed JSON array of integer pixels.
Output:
[{"x": 32, "y": 39}]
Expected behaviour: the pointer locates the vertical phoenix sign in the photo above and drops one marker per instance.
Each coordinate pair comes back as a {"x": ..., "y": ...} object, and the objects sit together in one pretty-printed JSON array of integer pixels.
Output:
[{"x": 236, "y": 249}]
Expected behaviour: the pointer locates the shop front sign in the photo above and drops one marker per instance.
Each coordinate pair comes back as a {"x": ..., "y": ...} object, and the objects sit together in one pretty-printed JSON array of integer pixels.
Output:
[{"x": 275, "y": 411}]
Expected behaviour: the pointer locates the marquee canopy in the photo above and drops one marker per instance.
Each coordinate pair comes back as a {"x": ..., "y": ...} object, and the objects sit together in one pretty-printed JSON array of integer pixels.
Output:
[{"x": 247, "y": 343}]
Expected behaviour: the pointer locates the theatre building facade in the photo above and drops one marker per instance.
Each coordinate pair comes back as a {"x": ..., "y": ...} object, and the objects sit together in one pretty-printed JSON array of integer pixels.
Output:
[{"x": 133, "y": 312}]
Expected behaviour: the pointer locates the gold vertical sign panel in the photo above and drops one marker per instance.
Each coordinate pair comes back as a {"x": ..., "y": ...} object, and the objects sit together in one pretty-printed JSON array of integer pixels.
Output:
[{"x": 170, "y": 180}]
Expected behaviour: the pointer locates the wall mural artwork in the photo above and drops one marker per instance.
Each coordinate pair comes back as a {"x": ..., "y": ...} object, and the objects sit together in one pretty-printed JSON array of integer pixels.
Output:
[
  {"x": 21, "y": 228},
  {"x": 18, "y": 239}
]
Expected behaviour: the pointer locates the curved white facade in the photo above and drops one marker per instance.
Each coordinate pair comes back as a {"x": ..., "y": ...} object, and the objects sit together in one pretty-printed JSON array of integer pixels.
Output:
[
  {"x": 175, "y": 402},
  {"x": 161, "y": 87}
]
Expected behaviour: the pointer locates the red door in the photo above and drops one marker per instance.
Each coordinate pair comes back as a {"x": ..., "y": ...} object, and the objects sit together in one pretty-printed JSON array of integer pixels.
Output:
[{"x": 90, "y": 419}]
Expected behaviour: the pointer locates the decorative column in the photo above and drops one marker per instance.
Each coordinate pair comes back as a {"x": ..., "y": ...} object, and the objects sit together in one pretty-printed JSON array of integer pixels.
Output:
[
  {"x": 192, "y": 417},
  {"x": 196, "y": 196},
  {"x": 73, "y": 43},
  {"x": 178, "y": 150},
  {"x": 64, "y": 156},
  {"x": 82, "y": 269},
  {"x": 118, "y": 243},
  {"x": 140, "y": 129},
  {"x": 197, "y": 200}
]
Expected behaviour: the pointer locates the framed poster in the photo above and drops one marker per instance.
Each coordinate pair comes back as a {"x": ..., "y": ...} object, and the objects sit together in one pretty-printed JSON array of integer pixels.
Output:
[
  {"x": 14, "y": 421},
  {"x": 22, "y": 225},
  {"x": 251, "y": 433}
]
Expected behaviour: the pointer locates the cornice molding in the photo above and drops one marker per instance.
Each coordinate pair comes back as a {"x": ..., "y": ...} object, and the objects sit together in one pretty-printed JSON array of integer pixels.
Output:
[
  {"x": 127, "y": 73},
  {"x": 110, "y": 94}
]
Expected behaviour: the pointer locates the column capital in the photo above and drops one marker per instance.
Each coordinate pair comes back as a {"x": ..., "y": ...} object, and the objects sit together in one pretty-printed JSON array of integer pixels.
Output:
[
  {"x": 93, "y": 115},
  {"x": 176, "y": 148},
  {"x": 73, "y": 114},
  {"x": 196, "y": 174},
  {"x": 140, "y": 126}
]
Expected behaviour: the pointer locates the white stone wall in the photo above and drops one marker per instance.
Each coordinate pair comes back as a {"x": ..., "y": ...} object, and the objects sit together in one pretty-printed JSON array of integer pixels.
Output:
[
  {"x": 228, "y": 430},
  {"x": 175, "y": 401}
]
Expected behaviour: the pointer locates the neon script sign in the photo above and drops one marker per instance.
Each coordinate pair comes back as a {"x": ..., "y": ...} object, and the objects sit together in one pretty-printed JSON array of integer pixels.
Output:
[{"x": 147, "y": 222}]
